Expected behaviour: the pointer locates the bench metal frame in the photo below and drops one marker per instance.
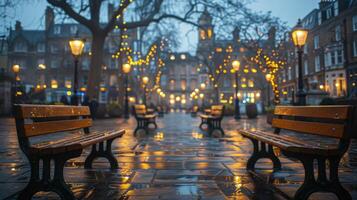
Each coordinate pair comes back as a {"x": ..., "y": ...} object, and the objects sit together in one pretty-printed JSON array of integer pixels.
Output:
[
  {"x": 311, "y": 184},
  {"x": 56, "y": 183}
]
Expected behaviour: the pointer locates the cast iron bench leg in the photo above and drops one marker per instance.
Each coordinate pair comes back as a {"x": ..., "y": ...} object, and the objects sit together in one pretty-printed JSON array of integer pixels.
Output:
[
  {"x": 203, "y": 121},
  {"x": 101, "y": 152},
  {"x": 57, "y": 184},
  {"x": 322, "y": 184},
  {"x": 262, "y": 152}
]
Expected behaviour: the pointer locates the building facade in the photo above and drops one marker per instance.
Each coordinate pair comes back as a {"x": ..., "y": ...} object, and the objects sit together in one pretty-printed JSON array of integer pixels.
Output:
[
  {"x": 329, "y": 58},
  {"x": 46, "y": 63}
]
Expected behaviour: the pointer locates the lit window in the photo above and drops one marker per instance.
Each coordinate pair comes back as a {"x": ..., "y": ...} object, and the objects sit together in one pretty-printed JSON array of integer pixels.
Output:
[
  {"x": 306, "y": 67},
  {"x": 209, "y": 33},
  {"x": 202, "y": 34},
  {"x": 355, "y": 48},
  {"x": 218, "y": 50}
]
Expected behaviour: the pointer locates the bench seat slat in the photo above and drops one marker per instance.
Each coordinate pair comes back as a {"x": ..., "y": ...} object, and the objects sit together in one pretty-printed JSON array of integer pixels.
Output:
[
  {"x": 289, "y": 144},
  {"x": 40, "y": 128},
  {"x": 77, "y": 142},
  {"x": 315, "y": 128}
]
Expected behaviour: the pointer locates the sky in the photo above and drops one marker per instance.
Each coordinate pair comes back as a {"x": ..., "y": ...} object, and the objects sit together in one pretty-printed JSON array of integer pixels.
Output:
[{"x": 32, "y": 16}]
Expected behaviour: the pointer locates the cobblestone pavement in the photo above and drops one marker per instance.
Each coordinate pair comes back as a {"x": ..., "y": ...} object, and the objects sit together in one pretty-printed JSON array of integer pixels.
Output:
[{"x": 176, "y": 161}]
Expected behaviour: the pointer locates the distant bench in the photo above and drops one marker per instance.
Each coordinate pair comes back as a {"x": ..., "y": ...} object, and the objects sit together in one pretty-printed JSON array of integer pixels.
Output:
[
  {"x": 143, "y": 118},
  {"x": 325, "y": 121},
  {"x": 36, "y": 120},
  {"x": 213, "y": 119}
]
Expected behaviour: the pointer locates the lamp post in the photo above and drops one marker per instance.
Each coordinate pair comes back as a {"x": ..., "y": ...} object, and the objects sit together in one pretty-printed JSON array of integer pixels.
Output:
[
  {"x": 236, "y": 66},
  {"x": 76, "y": 46},
  {"x": 268, "y": 78},
  {"x": 16, "y": 70},
  {"x": 126, "y": 69},
  {"x": 203, "y": 87},
  {"x": 299, "y": 36},
  {"x": 145, "y": 82}
]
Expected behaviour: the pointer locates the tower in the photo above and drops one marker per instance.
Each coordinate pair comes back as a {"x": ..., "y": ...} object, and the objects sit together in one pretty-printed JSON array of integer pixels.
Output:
[{"x": 205, "y": 32}]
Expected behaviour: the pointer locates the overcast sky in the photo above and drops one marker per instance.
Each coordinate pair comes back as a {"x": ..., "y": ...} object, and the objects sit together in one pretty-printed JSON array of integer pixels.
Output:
[{"x": 32, "y": 15}]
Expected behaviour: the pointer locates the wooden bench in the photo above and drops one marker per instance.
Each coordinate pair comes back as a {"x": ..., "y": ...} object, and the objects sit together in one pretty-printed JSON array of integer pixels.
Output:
[
  {"x": 324, "y": 121},
  {"x": 37, "y": 120},
  {"x": 213, "y": 120},
  {"x": 160, "y": 111},
  {"x": 194, "y": 111},
  {"x": 143, "y": 119}
]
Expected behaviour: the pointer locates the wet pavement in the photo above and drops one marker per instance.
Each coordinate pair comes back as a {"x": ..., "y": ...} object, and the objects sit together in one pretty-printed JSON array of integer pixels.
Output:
[{"x": 176, "y": 161}]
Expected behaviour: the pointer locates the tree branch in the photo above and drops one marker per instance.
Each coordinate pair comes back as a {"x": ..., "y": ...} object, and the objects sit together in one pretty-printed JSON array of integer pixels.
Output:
[{"x": 63, "y": 5}]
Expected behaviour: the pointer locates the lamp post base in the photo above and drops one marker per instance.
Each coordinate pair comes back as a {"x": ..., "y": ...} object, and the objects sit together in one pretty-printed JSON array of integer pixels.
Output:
[
  {"x": 236, "y": 110},
  {"x": 301, "y": 97}
]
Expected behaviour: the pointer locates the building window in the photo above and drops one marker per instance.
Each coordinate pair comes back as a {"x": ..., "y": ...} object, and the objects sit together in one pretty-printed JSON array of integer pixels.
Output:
[
  {"x": 40, "y": 47},
  {"x": 333, "y": 58},
  {"x": 57, "y": 30},
  {"x": 54, "y": 48},
  {"x": 316, "y": 42},
  {"x": 338, "y": 33},
  {"x": 327, "y": 59},
  {"x": 306, "y": 67},
  {"x": 305, "y": 48},
  {"x": 20, "y": 47},
  {"x": 202, "y": 34},
  {"x": 319, "y": 18},
  {"x": 339, "y": 56},
  {"x": 354, "y": 23},
  {"x": 335, "y": 8},
  {"x": 74, "y": 29},
  {"x": 328, "y": 13},
  {"x": 289, "y": 73},
  {"x": 317, "y": 64},
  {"x": 55, "y": 63},
  {"x": 355, "y": 48}
]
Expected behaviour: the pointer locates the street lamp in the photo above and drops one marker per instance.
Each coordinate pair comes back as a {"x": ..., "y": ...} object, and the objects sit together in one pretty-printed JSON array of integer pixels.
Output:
[
  {"x": 236, "y": 66},
  {"x": 16, "y": 70},
  {"x": 268, "y": 78},
  {"x": 126, "y": 69},
  {"x": 145, "y": 82},
  {"x": 299, "y": 36},
  {"x": 76, "y": 46},
  {"x": 203, "y": 87}
]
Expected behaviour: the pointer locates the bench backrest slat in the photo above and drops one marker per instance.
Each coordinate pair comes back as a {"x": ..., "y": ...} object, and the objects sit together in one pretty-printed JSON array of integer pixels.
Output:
[
  {"x": 329, "y": 121},
  {"x": 323, "y": 112},
  {"x": 217, "y": 110},
  {"x": 41, "y": 128},
  {"x": 34, "y": 120},
  {"x": 139, "y": 109},
  {"x": 46, "y": 111}
]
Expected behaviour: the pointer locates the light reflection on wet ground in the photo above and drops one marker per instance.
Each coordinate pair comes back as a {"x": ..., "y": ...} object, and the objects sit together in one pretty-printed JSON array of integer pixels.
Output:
[{"x": 176, "y": 161}]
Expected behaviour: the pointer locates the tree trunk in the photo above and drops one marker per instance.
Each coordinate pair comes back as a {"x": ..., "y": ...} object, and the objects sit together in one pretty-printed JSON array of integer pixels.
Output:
[
  {"x": 217, "y": 95},
  {"x": 94, "y": 78}
]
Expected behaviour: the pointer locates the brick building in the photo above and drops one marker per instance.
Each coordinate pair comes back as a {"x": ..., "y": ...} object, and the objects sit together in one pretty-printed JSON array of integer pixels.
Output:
[
  {"x": 47, "y": 64},
  {"x": 330, "y": 53}
]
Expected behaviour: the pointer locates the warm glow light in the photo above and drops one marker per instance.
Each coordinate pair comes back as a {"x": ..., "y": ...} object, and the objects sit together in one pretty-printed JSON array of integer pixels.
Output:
[
  {"x": 69, "y": 93},
  {"x": 203, "y": 86},
  {"x": 54, "y": 84},
  {"x": 299, "y": 35},
  {"x": 145, "y": 80},
  {"x": 126, "y": 68},
  {"x": 236, "y": 65},
  {"x": 41, "y": 66},
  {"x": 322, "y": 87},
  {"x": 76, "y": 46},
  {"x": 183, "y": 57},
  {"x": 16, "y": 68},
  {"x": 268, "y": 77}
]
